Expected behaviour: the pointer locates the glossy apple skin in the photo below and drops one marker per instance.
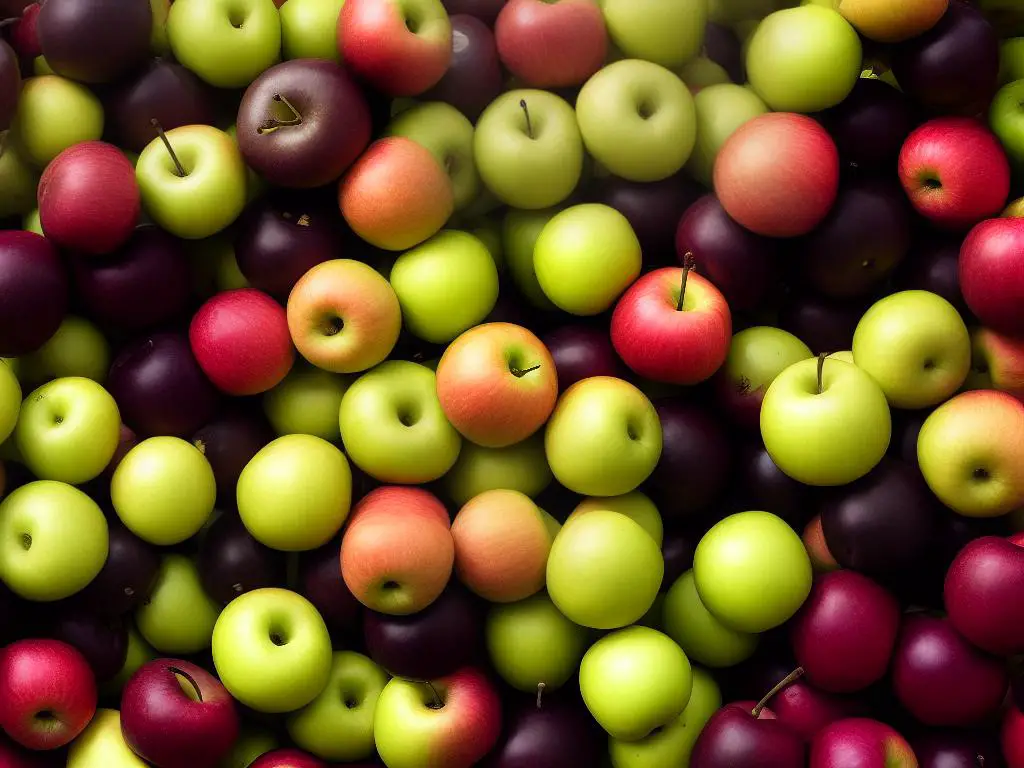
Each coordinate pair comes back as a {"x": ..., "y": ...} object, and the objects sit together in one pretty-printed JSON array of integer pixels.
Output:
[
  {"x": 823, "y": 325},
  {"x": 554, "y": 735},
  {"x": 805, "y": 710},
  {"x": 933, "y": 264},
  {"x": 34, "y": 287},
  {"x": 287, "y": 758},
  {"x": 23, "y": 36},
  {"x": 870, "y": 125},
  {"x": 231, "y": 562},
  {"x": 95, "y": 42},
  {"x": 125, "y": 579},
  {"x": 764, "y": 486},
  {"x": 723, "y": 47},
  {"x": 103, "y": 642},
  {"x": 653, "y": 210},
  {"x": 581, "y": 352},
  {"x": 733, "y": 737},
  {"x": 484, "y": 10},
  {"x": 953, "y": 749},
  {"x": 861, "y": 742},
  {"x": 160, "y": 388},
  {"x": 990, "y": 260},
  {"x": 740, "y": 263},
  {"x": 229, "y": 442},
  {"x": 321, "y": 583},
  {"x": 474, "y": 77},
  {"x": 13, "y": 755},
  {"x": 10, "y": 84},
  {"x": 1013, "y": 737}
]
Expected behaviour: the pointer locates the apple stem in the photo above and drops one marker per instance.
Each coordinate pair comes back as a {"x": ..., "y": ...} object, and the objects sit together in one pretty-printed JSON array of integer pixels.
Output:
[
  {"x": 540, "y": 694},
  {"x": 170, "y": 150},
  {"x": 271, "y": 124},
  {"x": 518, "y": 373},
  {"x": 688, "y": 263},
  {"x": 438, "y": 704},
  {"x": 821, "y": 369},
  {"x": 791, "y": 677},
  {"x": 529, "y": 123}
]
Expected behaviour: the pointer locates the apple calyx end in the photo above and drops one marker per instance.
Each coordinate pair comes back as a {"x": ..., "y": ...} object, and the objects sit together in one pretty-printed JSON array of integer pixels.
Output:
[
  {"x": 272, "y": 124},
  {"x": 437, "y": 703},
  {"x": 178, "y": 167},
  {"x": 790, "y": 678}
]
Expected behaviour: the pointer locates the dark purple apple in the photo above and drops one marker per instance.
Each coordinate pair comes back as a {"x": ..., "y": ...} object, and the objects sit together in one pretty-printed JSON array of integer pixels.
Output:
[
  {"x": 870, "y": 125},
  {"x": 956, "y": 749},
  {"x": 160, "y": 388},
  {"x": 102, "y": 641},
  {"x": 653, "y": 209},
  {"x": 229, "y": 442},
  {"x": 144, "y": 283},
  {"x": 906, "y": 426},
  {"x": 10, "y": 84},
  {"x": 485, "y": 10},
  {"x": 766, "y": 487},
  {"x": 581, "y": 351},
  {"x": 442, "y": 638},
  {"x": 556, "y": 734},
  {"x": 739, "y": 263},
  {"x": 723, "y": 47},
  {"x": 734, "y": 736},
  {"x": 302, "y": 123},
  {"x": 231, "y": 562},
  {"x": 933, "y": 264},
  {"x": 95, "y": 41},
  {"x": 162, "y": 91},
  {"x": 954, "y": 66},
  {"x": 862, "y": 240},
  {"x": 823, "y": 325},
  {"x": 677, "y": 550},
  {"x": 474, "y": 77},
  {"x": 320, "y": 582},
  {"x": 33, "y": 292},
  {"x": 126, "y": 578}
]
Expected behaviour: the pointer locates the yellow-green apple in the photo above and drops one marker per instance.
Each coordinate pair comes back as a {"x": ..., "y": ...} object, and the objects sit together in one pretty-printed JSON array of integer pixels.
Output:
[
  {"x": 101, "y": 743},
  {"x": 397, "y": 552},
  {"x": 672, "y": 326},
  {"x": 528, "y": 149},
  {"x": 338, "y": 724},
  {"x": 519, "y": 467},
  {"x": 825, "y": 422},
  {"x": 309, "y": 29},
  {"x": 192, "y": 181},
  {"x": 397, "y": 194},
  {"x": 969, "y": 450},
  {"x": 1015, "y": 209},
  {"x": 893, "y": 22},
  {"x": 636, "y": 506},
  {"x": 989, "y": 260},
  {"x": 393, "y": 425},
  {"x": 752, "y": 571},
  {"x": 572, "y": 245},
  {"x": 178, "y": 618},
  {"x": 916, "y": 346},
  {"x": 343, "y": 316},
  {"x": 778, "y": 174},
  {"x": 53, "y": 114},
  {"x": 863, "y": 742},
  {"x": 703, "y": 638},
  {"x": 519, "y": 233},
  {"x": 253, "y": 743},
  {"x": 1004, "y": 119},
  {"x": 453, "y": 721},
  {"x": 18, "y": 183},
  {"x": 228, "y": 43},
  {"x": 604, "y": 571},
  {"x": 77, "y": 349},
  {"x": 401, "y": 48},
  {"x": 532, "y": 645},
  {"x": 164, "y": 490},
  {"x": 497, "y": 384},
  {"x": 55, "y": 540},
  {"x": 637, "y": 120},
  {"x": 551, "y": 45},
  {"x": 702, "y": 72},
  {"x": 294, "y": 495},
  {"x": 720, "y": 110},
  {"x": 10, "y": 399},
  {"x": 501, "y": 546},
  {"x": 669, "y": 34},
  {"x": 634, "y": 681},
  {"x": 306, "y": 402},
  {"x": 1011, "y": 60},
  {"x": 604, "y": 437},
  {"x": 68, "y": 430},
  {"x": 997, "y": 362},
  {"x": 445, "y": 286},
  {"x": 281, "y": 634}
]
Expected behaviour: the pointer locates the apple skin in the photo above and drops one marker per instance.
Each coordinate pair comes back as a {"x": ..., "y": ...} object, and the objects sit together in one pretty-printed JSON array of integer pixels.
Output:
[
  {"x": 288, "y": 758},
  {"x": 232, "y": 562},
  {"x": 1013, "y": 737},
  {"x": 824, "y": 326},
  {"x": 733, "y": 736},
  {"x": 988, "y": 267},
  {"x": 10, "y": 84},
  {"x": 35, "y": 284},
  {"x": 558, "y": 733},
  {"x": 521, "y": 467},
  {"x": 96, "y": 42},
  {"x": 320, "y": 582},
  {"x": 229, "y": 442},
  {"x": 653, "y": 209},
  {"x": 870, "y": 125},
  {"x": 19, "y": 181},
  {"x": 782, "y": 192},
  {"x": 309, "y": 29},
  {"x": 702, "y": 637},
  {"x": 666, "y": 34},
  {"x": 580, "y": 352},
  {"x": 48, "y": 693},
  {"x": 474, "y": 77},
  {"x": 933, "y": 265},
  {"x": 805, "y": 710},
  {"x": 54, "y": 114},
  {"x": 767, "y": 487},
  {"x": 126, "y": 578},
  {"x": 102, "y": 641},
  {"x": 862, "y": 742}
]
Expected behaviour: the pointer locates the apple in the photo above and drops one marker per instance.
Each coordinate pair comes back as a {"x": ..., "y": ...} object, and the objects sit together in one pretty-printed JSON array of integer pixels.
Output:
[
  {"x": 101, "y": 640},
  {"x": 635, "y": 506},
  {"x": 579, "y": 352},
  {"x": 101, "y": 743},
  {"x": 652, "y": 208},
  {"x": 53, "y": 114},
  {"x": 669, "y": 34},
  {"x": 988, "y": 273},
  {"x": 996, "y": 363},
  {"x": 519, "y": 233},
  {"x": 474, "y": 77},
  {"x": 56, "y": 540},
  {"x": 980, "y": 476},
  {"x": 306, "y": 402},
  {"x": 863, "y": 741},
  {"x": 10, "y": 84},
  {"x": 309, "y": 29},
  {"x": 887, "y": 23},
  {"x": 231, "y": 561},
  {"x": 1013, "y": 737},
  {"x": 558, "y": 732},
  {"x": 1004, "y": 121},
  {"x": 18, "y": 182},
  {"x": 702, "y": 72},
  {"x": 78, "y": 349},
  {"x": 178, "y": 617},
  {"x": 126, "y": 577},
  {"x": 97, "y": 42},
  {"x": 280, "y": 633},
  {"x": 870, "y": 125},
  {"x": 286, "y": 758},
  {"x": 319, "y": 581},
  {"x": 519, "y": 467},
  {"x": 720, "y": 110},
  {"x": 10, "y": 399}
]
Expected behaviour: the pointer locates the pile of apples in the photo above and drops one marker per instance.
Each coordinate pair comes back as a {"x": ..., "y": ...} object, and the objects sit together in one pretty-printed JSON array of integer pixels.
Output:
[{"x": 512, "y": 383}]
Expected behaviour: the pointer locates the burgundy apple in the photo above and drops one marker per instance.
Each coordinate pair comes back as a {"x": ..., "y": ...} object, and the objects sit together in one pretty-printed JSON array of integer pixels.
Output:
[
  {"x": 933, "y": 264},
  {"x": 1012, "y": 737},
  {"x": 160, "y": 388},
  {"x": 102, "y": 641},
  {"x": 229, "y": 442},
  {"x": 677, "y": 551},
  {"x": 287, "y": 758},
  {"x": 485, "y": 10},
  {"x": 10, "y": 84},
  {"x": 24, "y": 36},
  {"x": 320, "y": 582},
  {"x": 33, "y": 292},
  {"x": 581, "y": 352},
  {"x": 823, "y": 325},
  {"x": 126, "y": 578},
  {"x": 556, "y": 734},
  {"x": 990, "y": 274},
  {"x": 870, "y": 125},
  {"x": 474, "y": 77},
  {"x": 723, "y": 47},
  {"x": 144, "y": 283},
  {"x": 956, "y": 749},
  {"x": 653, "y": 209},
  {"x": 231, "y": 562},
  {"x": 13, "y": 755},
  {"x": 739, "y": 735},
  {"x": 768, "y": 488},
  {"x": 95, "y": 41},
  {"x": 805, "y": 710},
  {"x": 943, "y": 680}
]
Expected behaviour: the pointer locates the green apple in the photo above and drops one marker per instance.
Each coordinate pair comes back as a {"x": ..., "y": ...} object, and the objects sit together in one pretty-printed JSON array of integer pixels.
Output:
[
  {"x": 282, "y": 635},
  {"x": 804, "y": 59},
  {"x": 40, "y": 67},
  {"x": 54, "y": 113},
  {"x": 756, "y": 357},
  {"x": 54, "y": 540},
  {"x": 76, "y": 349},
  {"x": 139, "y": 652},
  {"x": 667, "y": 33},
  {"x": 585, "y": 257},
  {"x": 295, "y": 494},
  {"x": 164, "y": 490},
  {"x": 634, "y": 681},
  {"x": 825, "y": 422},
  {"x": 159, "y": 45},
  {"x": 604, "y": 570},
  {"x": 519, "y": 233},
  {"x": 228, "y": 43},
  {"x": 701, "y": 73},
  {"x": 178, "y": 617},
  {"x": 10, "y": 401},
  {"x": 1006, "y": 118},
  {"x": 18, "y": 180},
  {"x": 393, "y": 427},
  {"x": 488, "y": 231},
  {"x": 309, "y": 29},
  {"x": 520, "y": 467},
  {"x": 604, "y": 437},
  {"x": 445, "y": 285},
  {"x": 752, "y": 571},
  {"x": 532, "y": 645},
  {"x": 653, "y": 616},
  {"x": 636, "y": 506},
  {"x": 448, "y": 134},
  {"x": 306, "y": 402},
  {"x": 1011, "y": 60},
  {"x": 721, "y": 110},
  {"x": 199, "y": 189},
  {"x": 252, "y": 743},
  {"x": 31, "y": 222},
  {"x": 528, "y": 149},
  {"x": 673, "y": 743},
  {"x": 255, "y": 185},
  {"x": 101, "y": 744},
  {"x": 916, "y": 346},
  {"x": 704, "y": 638},
  {"x": 338, "y": 724},
  {"x": 638, "y": 120},
  {"x": 68, "y": 430}
]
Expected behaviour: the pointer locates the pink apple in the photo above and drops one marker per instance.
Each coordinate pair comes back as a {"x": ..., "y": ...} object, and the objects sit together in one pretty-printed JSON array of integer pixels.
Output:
[
  {"x": 862, "y": 743},
  {"x": 240, "y": 339},
  {"x": 955, "y": 172},
  {"x": 998, "y": 361},
  {"x": 1013, "y": 737},
  {"x": 992, "y": 274}
]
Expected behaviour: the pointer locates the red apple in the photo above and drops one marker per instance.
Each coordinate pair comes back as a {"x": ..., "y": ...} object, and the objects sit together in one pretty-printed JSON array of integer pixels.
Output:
[
  {"x": 955, "y": 172},
  {"x": 88, "y": 198},
  {"x": 47, "y": 693},
  {"x": 805, "y": 710},
  {"x": 672, "y": 326},
  {"x": 34, "y": 287},
  {"x": 177, "y": 715},
  {"x": 287, "y": 758},
  {"x": 998, "y": 362},
  {"x": 240, "y": 339},
  {"x": 24, "y": 38},
  {"x": 551, "y": 44},
  {"x": 1013, "y": 738},
  {"x": 13, "y": 755},
  {"x": 862, "y": 743},
  {"x": 992, "y": 274}
]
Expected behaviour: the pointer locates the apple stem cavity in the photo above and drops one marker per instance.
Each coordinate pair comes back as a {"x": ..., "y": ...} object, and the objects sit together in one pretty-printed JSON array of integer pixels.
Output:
[
  {"x": 437, "y": 703},
  {"x": 790, "y": 678},
  {"x": 271, "y": 124},
  {"x": 179, "y": 168},
  {"x": 529, "y": 123},
  {"x": 688, "y": 263},
  {"x": 188, "y": 685},
  {"x": 540, "y": 694},
  {"x": 821, "y": 370}
]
